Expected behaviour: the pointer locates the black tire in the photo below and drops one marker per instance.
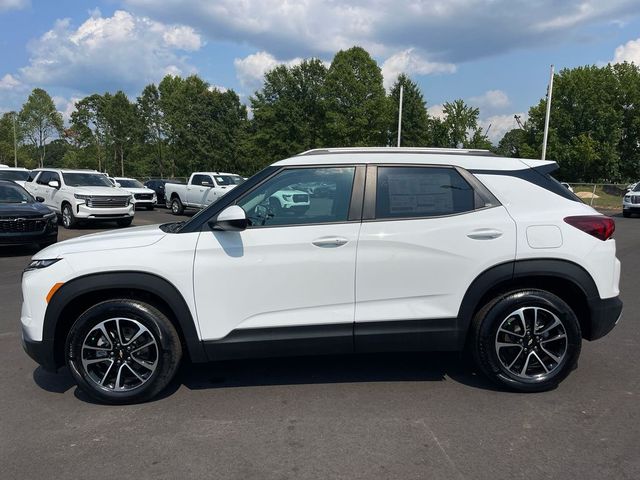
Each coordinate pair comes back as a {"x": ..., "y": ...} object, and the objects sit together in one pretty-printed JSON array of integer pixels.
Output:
[
  {"x": 68, "y": 218},
  {"x": 485, "y": 336},
  {"x": 167, "y": 351},
  {"x": 124, "y": 222},
  {"x": 177, "y": 208},
  {"x": 626, "y": 214},
  {"x": 149, "y": 207}
]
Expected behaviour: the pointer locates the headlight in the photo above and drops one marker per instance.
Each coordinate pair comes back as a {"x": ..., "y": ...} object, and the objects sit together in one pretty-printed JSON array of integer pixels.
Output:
[
  {"x": 82, "y": 197},
  {"x": 38, "y": 264},
  {"x": 627, "y": 198},
  {"x": 287, "y": 198}
]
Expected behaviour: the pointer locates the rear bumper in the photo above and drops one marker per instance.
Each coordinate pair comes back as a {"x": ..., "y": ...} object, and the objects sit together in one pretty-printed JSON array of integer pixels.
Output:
[{"x": 605, "y": 314}]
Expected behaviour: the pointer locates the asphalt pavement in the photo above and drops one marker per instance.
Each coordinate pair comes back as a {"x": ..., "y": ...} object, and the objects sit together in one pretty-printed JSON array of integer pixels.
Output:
[{"x": 404, "y": 416}]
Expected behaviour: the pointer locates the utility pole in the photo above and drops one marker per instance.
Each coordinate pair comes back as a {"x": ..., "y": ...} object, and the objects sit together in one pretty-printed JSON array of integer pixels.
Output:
[
  {"x": 546, "y": 119},
  {"x": 15, "y": 141},
  {"x": 400, "y": 114}
]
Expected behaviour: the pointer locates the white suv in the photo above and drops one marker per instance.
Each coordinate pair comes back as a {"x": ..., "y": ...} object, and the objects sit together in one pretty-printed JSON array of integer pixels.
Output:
[
  {"x": 81, "y": 195},
  {"x": 142, "y": 197},
  {"x": 412, "y": 249}
]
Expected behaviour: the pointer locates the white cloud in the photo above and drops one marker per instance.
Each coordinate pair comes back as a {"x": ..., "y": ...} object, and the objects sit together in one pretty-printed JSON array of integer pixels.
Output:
[
  {"x": 410, "y": 62},
  {"x": 219, "y": 88},
  {"x": 66, "y": 106},
  {"x": 9, "y": 82},
  {"x": 6, "y": 5},
  {"x": 251, "y": 69},
  {"x": 491, "y": 99},
  {"x": 629, "y": 52},
  {"x": 444, "y": 31},
  {"x": 436, "y": 111},
  {"x": 105, "y": 53},
  {"x": 500, "y": 124}
]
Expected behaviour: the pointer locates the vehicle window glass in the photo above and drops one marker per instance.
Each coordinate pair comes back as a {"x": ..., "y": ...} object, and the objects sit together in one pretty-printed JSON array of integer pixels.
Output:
[
  {"x": 299, "y": 196},
  {"x": 14, "y": 194},
  {"x": 406, "y": 192},
  {"x": 228, "y": 180},
  {"x": 129, "y": 183},
  {"x": 19, "y": 175},
  {"x": 198, "y": 179},
  {"x": 637, "y": 187},
  {"x": 54, "y": 176},
  {"x": 78, "y": 179},
  {"x": 44, "y": 178}
]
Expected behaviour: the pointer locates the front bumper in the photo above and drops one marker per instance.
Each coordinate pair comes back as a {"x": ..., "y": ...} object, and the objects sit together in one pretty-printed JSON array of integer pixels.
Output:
[
  {"x": 604, "y": 315},
  {"x": 90, "y": 213},
  {"x": 48, "y": 236},
  {"x": 40, "y": 352}
]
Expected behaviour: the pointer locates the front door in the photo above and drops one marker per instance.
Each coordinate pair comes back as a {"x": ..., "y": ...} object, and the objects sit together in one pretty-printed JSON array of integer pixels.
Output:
[{"x": 290, "y": 275}]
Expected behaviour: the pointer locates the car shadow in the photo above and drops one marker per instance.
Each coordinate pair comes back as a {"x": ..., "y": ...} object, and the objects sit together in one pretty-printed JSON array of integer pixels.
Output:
[
  {"x": 19, "y": 250},
  {"x": 364, "y": 368}
]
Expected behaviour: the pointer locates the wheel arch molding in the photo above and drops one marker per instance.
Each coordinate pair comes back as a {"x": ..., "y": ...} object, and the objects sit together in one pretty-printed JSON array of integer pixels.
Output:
[
  {"x": 565, "y": 279},
  {"x": 75, "y": 296}
]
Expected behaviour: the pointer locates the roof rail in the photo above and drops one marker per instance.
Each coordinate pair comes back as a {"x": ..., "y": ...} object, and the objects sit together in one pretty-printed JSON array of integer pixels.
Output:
[{"x": 421, "y": 150}]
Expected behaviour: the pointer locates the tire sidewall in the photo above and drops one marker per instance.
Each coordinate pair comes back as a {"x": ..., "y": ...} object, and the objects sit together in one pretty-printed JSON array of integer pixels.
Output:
[
  {"x": 140, "y": 312},
  {"x": 499, "y": 311}
]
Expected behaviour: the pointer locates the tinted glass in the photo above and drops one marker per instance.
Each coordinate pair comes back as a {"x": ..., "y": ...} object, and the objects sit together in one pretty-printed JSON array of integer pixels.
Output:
[
  {"x": 14, "y": 194},
  {"x": 131, "y": 183},
  {"x": 86, "y": 180},
  {"x": 54, "y": 176},
  {"x": 282, "y": 200},
  {"x": 406, "y": 192},
  {"x": 44, "y": 178},
  {"x": 20, "y": 175},
  {"x": 228, "y": 180},
  {"x": 198, "y": 179},
  {"x": 637, "y": 187}
]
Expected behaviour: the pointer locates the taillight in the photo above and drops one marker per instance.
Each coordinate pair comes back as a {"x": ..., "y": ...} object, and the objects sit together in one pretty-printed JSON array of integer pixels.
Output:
[{"x": 598, "y": 226}]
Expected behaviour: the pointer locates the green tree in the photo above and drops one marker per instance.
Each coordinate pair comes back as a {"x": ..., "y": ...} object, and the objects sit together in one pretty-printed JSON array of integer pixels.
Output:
[
  {"x": 153, "y": 123},
  {"x": 40, "y": 121},
  {"x": 289, "y": 112},
  {"x": 628, "y": 103},
  {"x": 415, "y": 120},
  {"x": 88, "y": 130},
  {"x": 9, "y": 122},
  {"x": 121, "y": 124},
  {"x": 460, "y": 120},
  {"x": 511, "y": 143},
  {"x": 356, "y": 103}
]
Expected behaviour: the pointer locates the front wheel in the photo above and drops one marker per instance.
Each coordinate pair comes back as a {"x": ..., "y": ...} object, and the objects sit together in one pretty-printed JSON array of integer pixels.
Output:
[
  {"x": 527, "y": 340},
  {"x": 123, "y": 351},
  {"x": 125, "y": 222},
  {"x": 626, "y": 213},
  {"x": 68, "y": 218}
]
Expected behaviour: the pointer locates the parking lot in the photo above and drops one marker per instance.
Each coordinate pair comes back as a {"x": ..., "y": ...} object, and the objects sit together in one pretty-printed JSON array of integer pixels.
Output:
[{"x": 403, "y": 416}]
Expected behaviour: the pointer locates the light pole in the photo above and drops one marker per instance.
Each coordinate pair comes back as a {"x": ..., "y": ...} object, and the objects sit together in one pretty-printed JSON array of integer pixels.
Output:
[
  {"x": 400, "y": 114},
  {"x": 546, "y": 119},
  {"x": 15, "y": 141}
]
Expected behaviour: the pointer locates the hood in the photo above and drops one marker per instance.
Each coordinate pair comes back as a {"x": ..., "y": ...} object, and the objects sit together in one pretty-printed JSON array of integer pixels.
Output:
[
  {"x": 27, "y": 210},
  {"x": 137, "y": 190},
  {"x": 110, "y": 240},
  {"x": 106, "y": 191}
]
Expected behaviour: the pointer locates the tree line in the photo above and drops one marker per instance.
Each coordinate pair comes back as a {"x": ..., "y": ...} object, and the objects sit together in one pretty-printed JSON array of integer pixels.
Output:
[{"x": 185, "y": 124}]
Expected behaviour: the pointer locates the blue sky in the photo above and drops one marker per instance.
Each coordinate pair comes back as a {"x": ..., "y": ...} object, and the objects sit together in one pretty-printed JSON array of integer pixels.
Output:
[{"x": 493, "y": 53}]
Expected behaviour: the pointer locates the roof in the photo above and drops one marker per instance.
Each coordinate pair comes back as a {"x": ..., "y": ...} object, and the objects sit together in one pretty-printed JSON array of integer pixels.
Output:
[
  {"x": 68, "y": 170},
  {"x": 471, "y": 159}
]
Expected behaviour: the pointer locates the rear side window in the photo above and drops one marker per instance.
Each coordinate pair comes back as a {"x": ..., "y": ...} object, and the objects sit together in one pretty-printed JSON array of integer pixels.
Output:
[{"x": 409, "y": 192}]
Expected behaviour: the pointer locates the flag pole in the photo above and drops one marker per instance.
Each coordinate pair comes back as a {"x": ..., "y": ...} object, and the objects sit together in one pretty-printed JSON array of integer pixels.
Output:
[
  {"x": 546, "y": 119},
  {"x": 400, "y": 114}
]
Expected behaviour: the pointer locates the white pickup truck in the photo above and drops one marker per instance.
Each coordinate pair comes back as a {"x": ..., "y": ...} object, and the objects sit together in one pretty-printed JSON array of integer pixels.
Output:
[{"x": 202, "y": 189}]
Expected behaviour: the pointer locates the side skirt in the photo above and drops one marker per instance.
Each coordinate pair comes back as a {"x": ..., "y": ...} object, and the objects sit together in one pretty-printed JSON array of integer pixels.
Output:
[{"x": 333, "y": 339}]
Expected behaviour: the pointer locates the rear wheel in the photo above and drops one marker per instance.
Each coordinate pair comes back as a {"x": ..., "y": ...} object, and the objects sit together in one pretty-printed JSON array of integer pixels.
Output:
[
  {"x": 176, "y": 206},
  {"x": 123, "y": 351},
  {"x": 527, "y": 340},
  {"x": 68, "y": 218}
]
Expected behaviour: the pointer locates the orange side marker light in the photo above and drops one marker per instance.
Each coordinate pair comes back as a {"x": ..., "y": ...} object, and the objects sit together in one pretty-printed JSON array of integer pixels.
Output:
[{"x": 53, "y": 290}]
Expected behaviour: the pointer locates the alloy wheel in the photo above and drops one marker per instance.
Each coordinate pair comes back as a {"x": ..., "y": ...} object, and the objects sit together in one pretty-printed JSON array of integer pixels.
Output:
[
  {"x": 531, "y": 343},
  {"x": 119, "y": 354}
]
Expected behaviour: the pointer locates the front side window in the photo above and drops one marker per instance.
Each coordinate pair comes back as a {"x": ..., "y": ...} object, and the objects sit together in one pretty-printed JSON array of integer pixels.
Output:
[
  {"x": 201, "y": 180},
  {"x": 44, "y": 178},
  {"x": 86, "y": 180},
  {"x": 409, "y": 192},
  {"x": 299, "y": 196}
]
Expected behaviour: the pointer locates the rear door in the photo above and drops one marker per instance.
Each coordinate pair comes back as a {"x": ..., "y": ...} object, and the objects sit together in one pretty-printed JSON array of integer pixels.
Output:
[{"x": 427, "y": 233}]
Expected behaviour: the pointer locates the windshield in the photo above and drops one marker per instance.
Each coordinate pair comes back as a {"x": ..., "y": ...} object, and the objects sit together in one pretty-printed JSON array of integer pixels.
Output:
[
  {"x": 129, "y": 182},
  {"x": 228, "y": 179},
  {"x": 637, "y": 187},
  {"x": 86, "y": 180},
  {"x": 14, "y": 194},
  {"x": 20, "y": 175}
]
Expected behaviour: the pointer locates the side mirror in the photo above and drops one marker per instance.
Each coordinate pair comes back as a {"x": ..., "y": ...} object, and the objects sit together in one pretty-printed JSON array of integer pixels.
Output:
[
  {"x": 39, "y": 199},
  {"x": 231, "y": 219},
  {"x": 207, "y": 184},
  {"x": 54, "y": 184}
]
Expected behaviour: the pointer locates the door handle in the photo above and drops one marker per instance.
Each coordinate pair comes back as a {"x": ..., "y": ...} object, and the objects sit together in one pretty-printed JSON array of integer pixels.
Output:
[
  {"x": 484, "y": 234},
  {"x": 330, "y": 242}
]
